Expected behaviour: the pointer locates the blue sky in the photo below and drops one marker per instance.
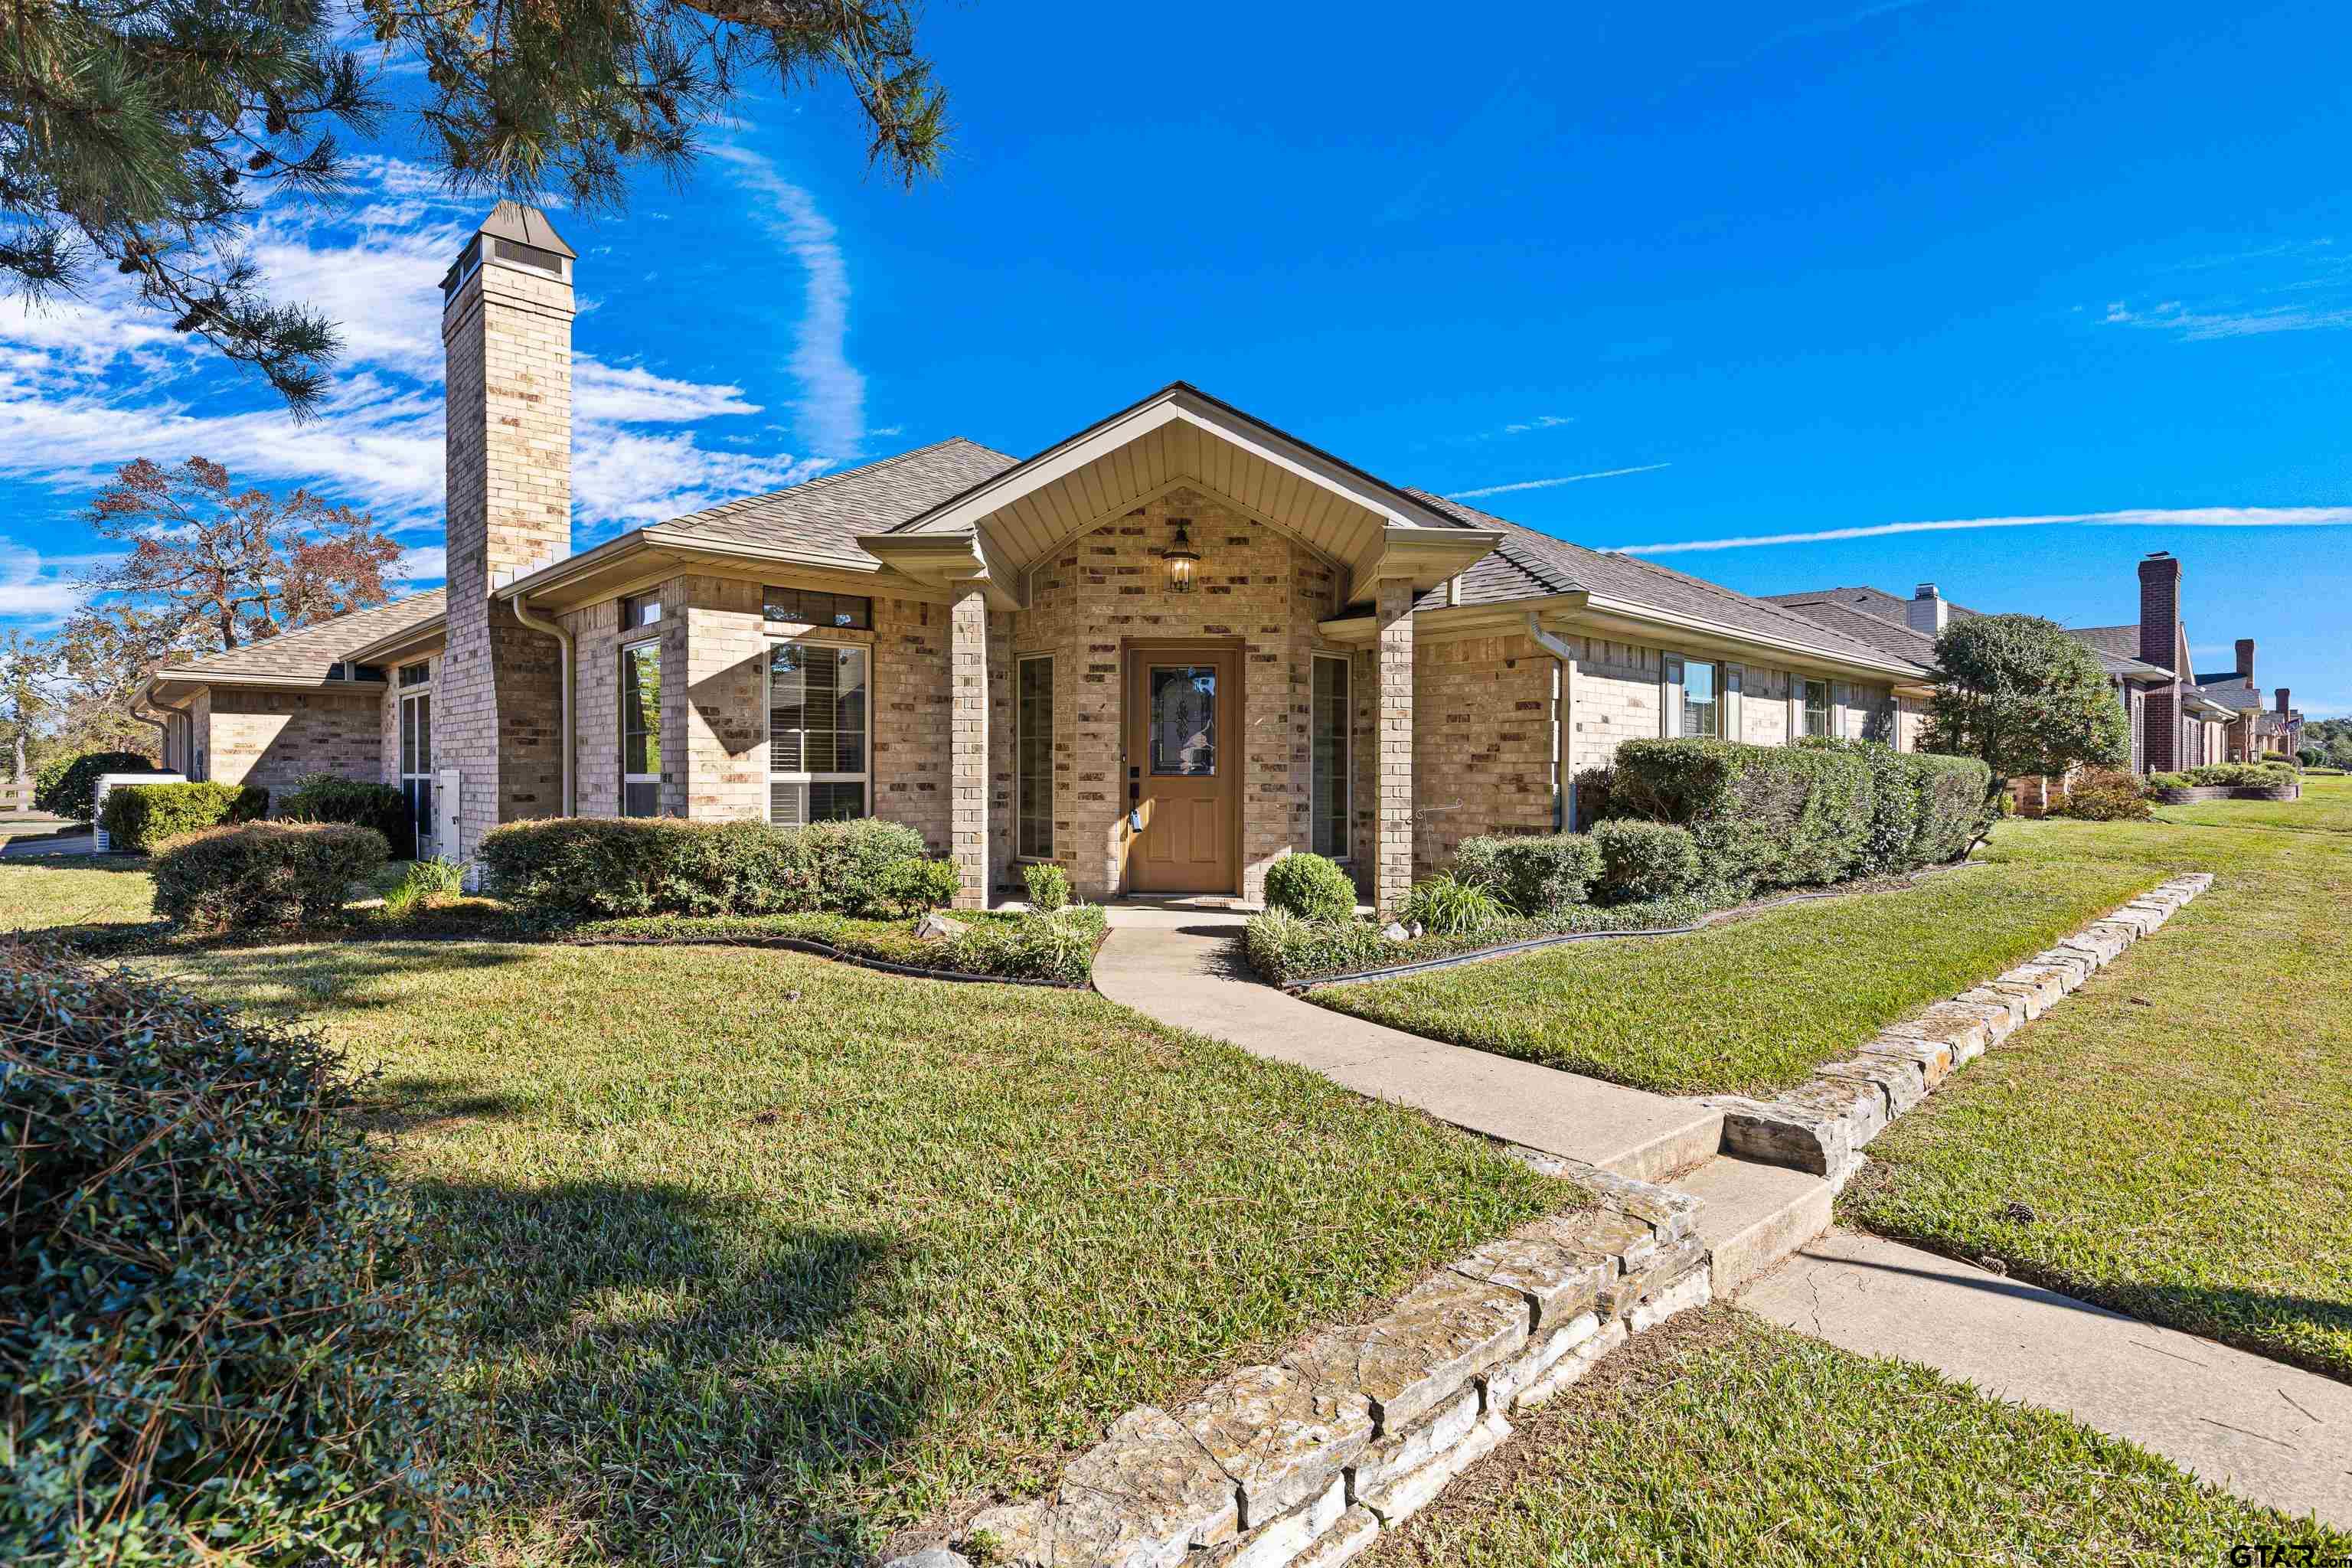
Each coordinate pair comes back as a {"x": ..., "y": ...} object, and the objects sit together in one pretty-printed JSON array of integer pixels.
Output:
[{"x": 1785, "y": 270}]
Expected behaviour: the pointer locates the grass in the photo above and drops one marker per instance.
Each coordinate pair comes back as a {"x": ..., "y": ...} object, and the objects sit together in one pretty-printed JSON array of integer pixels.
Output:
[
  {"x": 1719, "y": 1439},
  {"x": 1753, "y": 1006},
  {"x": 764, "y": 1257},
  {"x": 2179, "y": 1128},
  {"x": 75, "y": 890}
]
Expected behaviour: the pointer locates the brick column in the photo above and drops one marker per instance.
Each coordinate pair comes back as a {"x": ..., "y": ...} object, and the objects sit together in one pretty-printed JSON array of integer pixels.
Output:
[
  {"x": 1392, "y": 732},
  {"x": 968, "y": 750}
]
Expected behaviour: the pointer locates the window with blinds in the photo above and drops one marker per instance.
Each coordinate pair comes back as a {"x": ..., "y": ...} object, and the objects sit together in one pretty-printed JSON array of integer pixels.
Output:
[
  {"x": 1331, "y": 780},
  {"x": 1702, "y": 700},
  {"x": 1033, "y": 745},
  {"x": 817, "y": 732}
]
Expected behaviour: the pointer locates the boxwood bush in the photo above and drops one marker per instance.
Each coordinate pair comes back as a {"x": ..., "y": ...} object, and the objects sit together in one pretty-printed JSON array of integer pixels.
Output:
[
  {"x": 214, "y": 1340},
  {"x": 1761, "y": 816},
  {"x": 1644, "y": 861},
  {"x": 600, "y": 867},
  {"x": 138, "y": 817},
  {"x": 1534, "y": 874},
  {"x": 263, "y": 874},
  {"x": 67, "y": 786},
  {"x": 1311, "y": 887},
  {"x": 2105, "y": 795},
  {"x": 362, "y": 803},
  {"x": 1953, "y": 806}
]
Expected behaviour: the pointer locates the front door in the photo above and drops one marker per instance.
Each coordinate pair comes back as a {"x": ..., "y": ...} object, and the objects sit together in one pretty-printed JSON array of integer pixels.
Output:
[{"x": 1183, "y": 753}]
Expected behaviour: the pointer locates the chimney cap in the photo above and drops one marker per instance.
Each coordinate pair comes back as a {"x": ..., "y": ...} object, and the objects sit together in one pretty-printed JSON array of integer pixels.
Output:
[
  {"x": 525, "y": 226},
  {"x": 1924, "y": 591}
]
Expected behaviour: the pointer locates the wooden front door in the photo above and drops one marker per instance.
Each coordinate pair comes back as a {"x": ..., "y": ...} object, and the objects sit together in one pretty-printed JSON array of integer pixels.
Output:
[{"x": 1183, "y": 757}]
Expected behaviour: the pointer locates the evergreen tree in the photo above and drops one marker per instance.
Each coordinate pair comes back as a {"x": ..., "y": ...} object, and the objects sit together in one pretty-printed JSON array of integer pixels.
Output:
[{"x": 2019, "y": 694}]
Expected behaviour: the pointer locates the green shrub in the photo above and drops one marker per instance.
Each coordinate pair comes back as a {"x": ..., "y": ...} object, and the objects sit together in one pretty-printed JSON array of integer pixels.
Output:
[
  {"x": 67, "y": 786},
  {"x": 216, "y": 1339},
  {"x": 1594, "y": 789},
  {"x": 330, "y": 797},
  {"x": 2311, "y": 757},
  {"x": 583, "y": 867},
  {"x": 2103, "y": 794},
  {"x": 1535, "y": 874},
  {"x": 1770, "y": 816},
  {"x": 1955, "y": 805},
  {"x": 1048, "y": 885},
  {"x": 426, "y": 884},
  {"x": 263, "y": 874},
  {"x": 1645, "y": 860},
  {"x": 137, "y": 817},
  {"x": 910, "y": 887},
  {"x": 1283, "y": 948},
  {"x": 1450, "y": 907},
  {"x": 1311, "y": 887},
  {"x": 1058, "y": 946},
  {"x": 2168, "y": 781},
  {"x": 1888, "y": 841},
  {"x": 2243, "y": 775}
]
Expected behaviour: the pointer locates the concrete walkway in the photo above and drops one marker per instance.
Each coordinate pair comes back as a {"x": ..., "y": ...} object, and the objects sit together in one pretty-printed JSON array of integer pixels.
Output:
[
  {"x": 1179, "y": 962},
  {"x": 2256, "y": 1427}
]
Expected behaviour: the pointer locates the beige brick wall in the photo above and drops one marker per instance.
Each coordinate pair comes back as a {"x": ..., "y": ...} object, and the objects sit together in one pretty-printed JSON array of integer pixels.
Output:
[
  {"x": 388, "y": 717},
  {"x": 596, "y": 717},
  {"x": 274, "y": 738},
  {"x": 1482, "y": 743}
]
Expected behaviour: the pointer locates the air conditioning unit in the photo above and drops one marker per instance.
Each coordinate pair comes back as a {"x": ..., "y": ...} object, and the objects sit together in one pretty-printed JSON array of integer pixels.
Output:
[{"x": 106, "y": 782}]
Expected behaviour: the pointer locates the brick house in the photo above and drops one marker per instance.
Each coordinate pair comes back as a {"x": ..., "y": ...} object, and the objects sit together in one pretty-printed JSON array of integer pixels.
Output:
[{"x": 1162, "y": 652}]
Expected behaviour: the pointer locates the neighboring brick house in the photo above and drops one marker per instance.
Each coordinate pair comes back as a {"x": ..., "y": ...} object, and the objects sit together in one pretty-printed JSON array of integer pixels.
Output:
[{"x": 1163, "y": 652}]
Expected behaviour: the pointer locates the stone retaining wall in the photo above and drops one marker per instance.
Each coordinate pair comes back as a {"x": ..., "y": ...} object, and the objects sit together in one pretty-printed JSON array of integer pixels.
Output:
[
  {"x": 1821, "y": 1126},
  {"x": 1356, "y": 1429}
]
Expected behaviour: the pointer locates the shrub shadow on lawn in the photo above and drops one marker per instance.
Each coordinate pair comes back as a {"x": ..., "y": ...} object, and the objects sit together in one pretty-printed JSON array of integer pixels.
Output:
[
  {"x": 415, "y": 1103},
  {"x": 664, "y": 1367},
  {"x": 337, "y": 973}
]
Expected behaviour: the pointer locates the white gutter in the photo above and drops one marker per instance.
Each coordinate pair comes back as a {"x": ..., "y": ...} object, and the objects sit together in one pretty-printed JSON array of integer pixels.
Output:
[
  {"x": 1563, "y": 723},
  {"x": 523, "y": 612}
]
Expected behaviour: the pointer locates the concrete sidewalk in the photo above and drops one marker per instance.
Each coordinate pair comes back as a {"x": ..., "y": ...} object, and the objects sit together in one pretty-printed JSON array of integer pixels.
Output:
[
  {"x": 2262, "y": 1430},
  {"x": 1180, "y": 962}
]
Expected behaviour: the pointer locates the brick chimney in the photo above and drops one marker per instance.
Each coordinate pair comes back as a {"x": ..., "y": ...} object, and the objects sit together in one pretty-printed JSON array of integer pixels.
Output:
[
  {"x": 2246, "y": 660},
  {"x": 2283, "y": 708},
  {"x": 1926, "y": 614},
  {"x": 505, "y": 333},
  {"x": 2159, "y": 644}
]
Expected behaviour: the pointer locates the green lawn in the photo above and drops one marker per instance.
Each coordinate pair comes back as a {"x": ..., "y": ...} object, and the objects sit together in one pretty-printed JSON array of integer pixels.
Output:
[
  {"x": 1720, "y": 1439},
  {"x": 74, "y": 889},
  {"x": 2181, "y": 1128},
  {"x": 764, "y": 1257},
  {"x": 1752, "y": 1007}
]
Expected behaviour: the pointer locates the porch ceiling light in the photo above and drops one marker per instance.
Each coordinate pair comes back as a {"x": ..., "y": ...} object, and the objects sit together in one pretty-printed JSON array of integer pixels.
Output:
[{"x": 1183, "y": 560}]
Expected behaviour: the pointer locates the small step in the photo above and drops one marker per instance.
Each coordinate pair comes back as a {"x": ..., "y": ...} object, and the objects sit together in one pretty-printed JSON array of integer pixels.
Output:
[{"x": 1753, "y": 1216}]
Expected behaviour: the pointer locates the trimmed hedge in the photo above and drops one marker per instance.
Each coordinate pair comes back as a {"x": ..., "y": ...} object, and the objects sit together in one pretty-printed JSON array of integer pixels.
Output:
[
  {"x": 216, "y": 1342},
  {"x": 1647, "y": 860},
  {"x": 68, "y": 786},
  {"x": 1058, "y": 947},
  {"x": 271, "y": 875},
  {"x": 1285, "y": 949},
  {"x": 330, "y": 797},
  {"x": 601, "y": 867},
  {"x": 1953, "y": 806},
  {"x": 138, "y": 817},
  {"x": 1924, "y": 809},
  {"x": 2103, "y": 794},
  {"x": 1535, "y": 875},
  {"x": 1761, "y": 816},
  {"x": 1311, "y": 887}
]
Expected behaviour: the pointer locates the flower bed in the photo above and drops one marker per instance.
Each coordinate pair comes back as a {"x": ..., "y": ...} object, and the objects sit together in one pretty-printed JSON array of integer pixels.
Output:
[
  {"x": 2190, "y": 794},
  {"x": 1055, "y": 949},
  {"x": 1287, "y": 951}
]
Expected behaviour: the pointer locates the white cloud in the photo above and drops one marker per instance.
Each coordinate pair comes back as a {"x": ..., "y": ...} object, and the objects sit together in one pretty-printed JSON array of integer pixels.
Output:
[
  {"x": 40, "y": 589},
  {"x": 2147, "y": 517},
  {"x": 832, "y": 404},
  {"x": 2222, "y": 322},
  {"x": 627, "y": 393},
  {"x": 1547, "y": 484},
  {"x": 1540, "y": 422}
]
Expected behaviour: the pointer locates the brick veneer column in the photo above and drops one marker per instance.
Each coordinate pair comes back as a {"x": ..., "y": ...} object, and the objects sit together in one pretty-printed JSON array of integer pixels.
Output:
[
  {"x": 1393, "y": 769},
  {"x": 968, "y": 753}
]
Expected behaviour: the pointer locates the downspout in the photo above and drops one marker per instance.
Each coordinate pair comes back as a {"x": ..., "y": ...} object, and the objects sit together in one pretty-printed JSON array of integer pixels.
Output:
[
  {"x": 524, "y": 614},
  {"x": 1564, "y": 724},
  {"x": 163, "y": 727}
]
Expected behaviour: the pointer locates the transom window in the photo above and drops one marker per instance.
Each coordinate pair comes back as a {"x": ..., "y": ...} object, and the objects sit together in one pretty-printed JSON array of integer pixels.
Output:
[
  {"x": 1817, "y": 708},
  {"x": 817, "y": 731},
  {"x": 640, "y": 610},
  {"x": 417, "y": 674},
  {"x": 816, "y": 608},
  {"x": 641, "y": 737},
  {"x": 1702, "y": 700},
  {"x": 1034, "y": 758},
  {"x": 1327, "y": 744}
]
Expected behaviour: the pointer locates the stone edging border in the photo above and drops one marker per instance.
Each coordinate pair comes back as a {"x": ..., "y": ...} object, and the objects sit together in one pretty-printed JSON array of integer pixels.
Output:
[
  {"x": 1821, "y": 1125},
  {"x": 1304, "y": 1463}
]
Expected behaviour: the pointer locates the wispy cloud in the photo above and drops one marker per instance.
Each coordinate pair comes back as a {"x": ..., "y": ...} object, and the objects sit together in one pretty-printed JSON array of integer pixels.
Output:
[
  {"x": 833, "y": 391},
  {"x": 2206, "y": 325},
  {"x": 2142, "y": 517},
  {"x": 1540, "y": 422},
  {"x": 40, "y": 589},
  {"x": 2288, "y": 286},
  {"x": 1547, "y": 484}
]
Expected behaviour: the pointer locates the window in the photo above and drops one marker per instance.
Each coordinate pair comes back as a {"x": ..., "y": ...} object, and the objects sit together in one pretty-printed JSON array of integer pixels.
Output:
[
  {"x": 640, "y": 610},
  {"x": 1183, "y": 719},
  {"x": 416, "y": 760},
  {"x": 1327, "y": 746},
  {"x": 1817, "y": 708},
  {"x": 641, "y": 717},
  {"x": 417, "y": 674},
  {"x": 1701, "y": 704},
  {"x": 816, "y": 732},
  {"x": 815, "y": 608},
  {"x": 1034, "y": 759}
]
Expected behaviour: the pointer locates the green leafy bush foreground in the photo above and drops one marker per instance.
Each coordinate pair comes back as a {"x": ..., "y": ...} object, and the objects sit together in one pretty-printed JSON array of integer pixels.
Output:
[
  {"x": 1311, "y": 887},
  {"x": 330, "y": 797},
  {"x": 578, "y": 868},
  {"x": 1285, "y": 949},
  {"x": 269, "y": 875},
  {"x": 213, "y": 1342},
  {"x": 1057, "y": 946},
  {"x": 138, "y": 817}
]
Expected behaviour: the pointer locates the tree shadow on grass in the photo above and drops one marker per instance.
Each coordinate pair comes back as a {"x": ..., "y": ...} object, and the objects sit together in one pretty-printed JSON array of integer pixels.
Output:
[
  {"x": 340, "y": 973},
  {"x": 677, "y": 1372},
  {"x": 413, "y": 1102}
]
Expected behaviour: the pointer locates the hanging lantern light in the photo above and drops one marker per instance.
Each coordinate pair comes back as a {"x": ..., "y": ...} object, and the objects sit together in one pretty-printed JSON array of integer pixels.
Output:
[{"x": 1183, "y": 560}]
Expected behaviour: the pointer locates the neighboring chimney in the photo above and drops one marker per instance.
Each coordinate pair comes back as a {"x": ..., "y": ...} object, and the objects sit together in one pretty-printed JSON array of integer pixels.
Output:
[
  {"x": 2159, "y": 644},
  {"x": 1926, "y": 614},
  {"x": 2246, "y": 660},
  {"x": 505, "y": 333},
  {"x": 2283, "y": 708}
]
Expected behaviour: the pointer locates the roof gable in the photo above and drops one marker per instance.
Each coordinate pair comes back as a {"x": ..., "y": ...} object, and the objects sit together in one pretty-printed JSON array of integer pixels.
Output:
[{"x": 305, "y": 656}]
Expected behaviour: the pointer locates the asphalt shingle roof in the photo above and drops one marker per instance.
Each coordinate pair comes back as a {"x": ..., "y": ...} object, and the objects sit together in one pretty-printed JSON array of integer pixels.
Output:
[
  {"x": 824, "y": 516},
  {"x": 307, "y": 654},
  {"x": 2229, "y": 690}
]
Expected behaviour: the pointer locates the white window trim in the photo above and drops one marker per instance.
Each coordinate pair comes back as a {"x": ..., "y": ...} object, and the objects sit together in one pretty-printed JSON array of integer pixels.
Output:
[
  {"x": 421, "y": 691},
  {"x": 768, "y": 708},
  {"x": 1682, "y": 696},
  {"x": 1054, "y": 686},
  {"x": 622, "y": 726},
  {"x": 1347, "y": 761},
  {"x": 1828, "y": 707}
]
